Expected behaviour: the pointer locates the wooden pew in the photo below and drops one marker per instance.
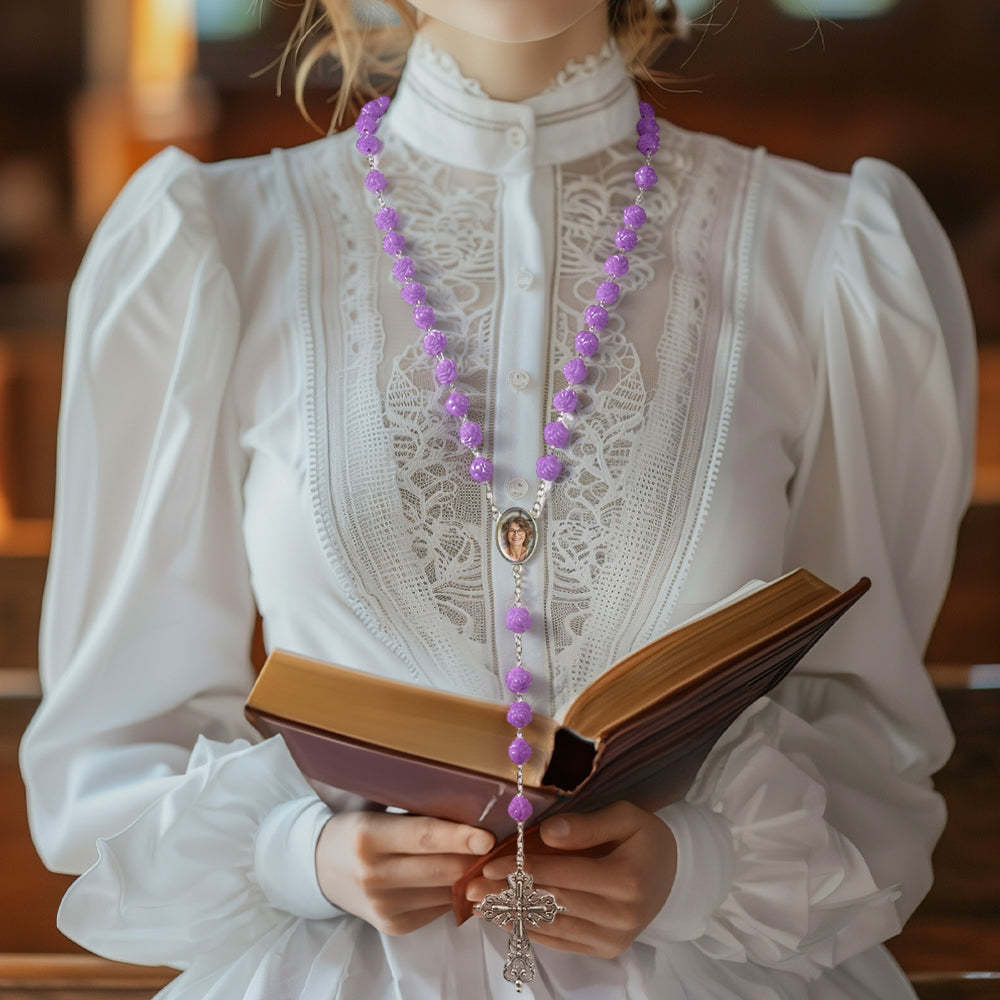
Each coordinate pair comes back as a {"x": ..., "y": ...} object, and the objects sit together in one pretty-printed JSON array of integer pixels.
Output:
[
  {"x": 956, "y": 928},
  {"x": 957, "y": 985},
  {"x": 78, "y": 977}
]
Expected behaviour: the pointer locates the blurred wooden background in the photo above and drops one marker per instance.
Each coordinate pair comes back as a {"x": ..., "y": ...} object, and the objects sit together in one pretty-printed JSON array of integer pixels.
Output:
[{"x": 93, "y": 88}]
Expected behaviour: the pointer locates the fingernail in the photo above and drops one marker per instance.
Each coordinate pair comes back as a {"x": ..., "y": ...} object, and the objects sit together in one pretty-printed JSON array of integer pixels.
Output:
[
  {"x": 557, "y": 827},
  {"x": 480, "y": 843}
]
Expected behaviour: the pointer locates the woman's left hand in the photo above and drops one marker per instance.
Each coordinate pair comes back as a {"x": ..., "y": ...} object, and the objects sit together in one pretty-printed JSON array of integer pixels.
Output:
[{"x": 609, "y": 899}]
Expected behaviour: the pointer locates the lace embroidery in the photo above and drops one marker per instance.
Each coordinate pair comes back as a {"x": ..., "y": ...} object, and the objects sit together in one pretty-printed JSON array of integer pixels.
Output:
[
  {"x": 410, "y": 527},
  {"x": 578, "y": 69},
  {"x": 445, "y": 65}
]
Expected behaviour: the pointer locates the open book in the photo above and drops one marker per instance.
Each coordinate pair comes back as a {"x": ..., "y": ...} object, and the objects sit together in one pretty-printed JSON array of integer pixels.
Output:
[{"x": 639, "y": 732}]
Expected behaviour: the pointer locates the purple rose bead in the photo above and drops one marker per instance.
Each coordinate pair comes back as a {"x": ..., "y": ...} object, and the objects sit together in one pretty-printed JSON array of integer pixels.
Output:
[
  {"x": 596, "y": 316},
  {"x": 379, "y": 105},
  {"x": 445, "y": 371},
  {"x": 386, "y": 218},
  {"x": 519, "y": 714},
  {"x": 586, "y": 343},
  {"x": 457, "y": 404},
  {"x": 634, "y": 216},
  {"x": 607, "y": 292},
  {"x": 368, "y": 144},
  {"x": 648, "y": 144},
  {"x": 470, "y": 434},
  {"x": 645, "y": 177},
  {"x": 565, "y": 400},
  {"x": 548, "y": 467},
  {"x": 626, "y": 239},
  {"x": 435, "y": 342},
  {"x": 423, "y": 316},
  {"x": 518, "y": 618},
  {"x": 413, "y": 293},
  {"x": 393, "y": 243},
  {"x": 375, "y": 181},
  {"x": 616, "y": 265},
  {"x": 481, "y": 469},
  {"x": 575, "y": 370},
  {"x": 403, "y": 269},
  {"x": 517, "y": 679},
  {"x": 366, "y": 123},
  {"x": 647, "y": 126},
  {"x": 646, "y": 110},
  {"x": 556, "y": 434},
  {"x": 520, "y": 809},
  {"x": 519, "y": 750}
]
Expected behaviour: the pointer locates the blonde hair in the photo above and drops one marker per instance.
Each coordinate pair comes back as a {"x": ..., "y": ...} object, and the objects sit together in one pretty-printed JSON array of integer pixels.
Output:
[{"x": 371, "y": 56}]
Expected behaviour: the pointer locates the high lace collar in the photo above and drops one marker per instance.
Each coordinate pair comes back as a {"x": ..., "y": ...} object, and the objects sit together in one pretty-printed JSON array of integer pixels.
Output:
[
  {"x": 589, "y": 104},
  {"x": 424, "y": 51}
]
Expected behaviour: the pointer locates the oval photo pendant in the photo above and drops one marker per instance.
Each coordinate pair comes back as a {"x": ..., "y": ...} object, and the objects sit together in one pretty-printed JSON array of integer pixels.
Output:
[{"x": 516, "y": 535}]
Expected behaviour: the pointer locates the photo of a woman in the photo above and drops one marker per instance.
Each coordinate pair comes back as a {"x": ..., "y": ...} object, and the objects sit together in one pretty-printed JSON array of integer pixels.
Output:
[
  {"x": 517, "y": 536},
  {"x": 518, "y": 539}
]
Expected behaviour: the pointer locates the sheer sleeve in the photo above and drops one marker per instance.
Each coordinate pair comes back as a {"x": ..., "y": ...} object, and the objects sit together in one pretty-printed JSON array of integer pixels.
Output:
[
  {"x": 807, "y": 835},
  {"x": 142, "y": 773}
]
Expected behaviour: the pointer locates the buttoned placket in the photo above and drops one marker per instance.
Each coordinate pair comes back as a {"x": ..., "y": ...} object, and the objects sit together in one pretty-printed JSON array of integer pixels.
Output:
[{"x": 522, "y": 350}]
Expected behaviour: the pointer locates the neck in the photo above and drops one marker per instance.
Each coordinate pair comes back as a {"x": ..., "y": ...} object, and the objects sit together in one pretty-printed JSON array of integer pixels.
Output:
[{"x": 512, "y": 71}]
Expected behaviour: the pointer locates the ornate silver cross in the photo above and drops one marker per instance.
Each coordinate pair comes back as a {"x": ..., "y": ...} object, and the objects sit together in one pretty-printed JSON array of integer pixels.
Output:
[{"x": 519, "y": 905}]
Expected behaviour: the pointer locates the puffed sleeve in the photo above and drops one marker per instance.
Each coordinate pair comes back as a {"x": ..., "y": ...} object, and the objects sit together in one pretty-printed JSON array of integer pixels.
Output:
[
  {"x": 807, "y": 836},
  {"x": 191, "y": 833}
]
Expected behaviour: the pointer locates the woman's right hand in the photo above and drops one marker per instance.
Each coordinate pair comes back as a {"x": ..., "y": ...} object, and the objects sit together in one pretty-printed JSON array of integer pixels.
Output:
[{"x": 395, "y": 871}]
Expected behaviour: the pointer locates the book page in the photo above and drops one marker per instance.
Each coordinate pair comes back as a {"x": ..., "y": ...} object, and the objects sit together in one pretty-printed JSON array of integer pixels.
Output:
[
  {"x": 600, "y": 688},
  {"x": 748, "y": 588}
]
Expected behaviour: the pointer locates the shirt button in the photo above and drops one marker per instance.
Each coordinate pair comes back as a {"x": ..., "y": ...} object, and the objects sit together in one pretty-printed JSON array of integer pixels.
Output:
[
  {"x": 517, "y": 137},
  {"x": 524, "y": 278},
  {"x": 518, "y": 379},
  {"x": 516, "y": 487}
]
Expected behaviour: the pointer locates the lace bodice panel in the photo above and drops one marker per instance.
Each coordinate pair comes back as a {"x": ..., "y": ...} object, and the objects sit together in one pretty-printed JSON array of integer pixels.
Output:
[{"x": 413, "y": 527}]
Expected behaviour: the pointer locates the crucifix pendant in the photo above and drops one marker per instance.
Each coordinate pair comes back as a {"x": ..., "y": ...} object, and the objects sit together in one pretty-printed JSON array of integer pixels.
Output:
[{"x": 519, "y": 905}]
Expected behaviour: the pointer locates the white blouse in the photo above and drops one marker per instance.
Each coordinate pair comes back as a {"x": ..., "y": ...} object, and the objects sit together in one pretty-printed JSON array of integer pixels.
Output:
[{"x": 248, "y": 417}]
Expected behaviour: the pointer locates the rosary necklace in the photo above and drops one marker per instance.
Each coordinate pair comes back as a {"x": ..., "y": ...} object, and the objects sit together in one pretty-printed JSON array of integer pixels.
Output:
[{"x": 516, "y": 532}]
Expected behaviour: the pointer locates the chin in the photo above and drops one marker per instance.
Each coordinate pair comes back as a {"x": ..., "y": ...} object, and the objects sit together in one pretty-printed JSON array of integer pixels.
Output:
[{"x": 509, "y": 20}]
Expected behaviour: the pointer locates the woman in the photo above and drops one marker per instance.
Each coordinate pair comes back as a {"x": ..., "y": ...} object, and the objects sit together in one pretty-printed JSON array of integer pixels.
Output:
[{"x": 248, "y": 418}]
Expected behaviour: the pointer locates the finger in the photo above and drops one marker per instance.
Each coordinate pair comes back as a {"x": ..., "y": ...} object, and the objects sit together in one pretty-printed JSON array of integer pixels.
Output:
[
  {"x": 395, "y": 902},
  {"x": 585, "y": 905},
  {"x": 602, "y": 876},
  {"x": 573, "y": 831},
  {"x": 426, "y": 835},
  {"x": 573, "y": 934},
  {"x": 478, "y": 888},
  {"x": 416, "y": 870},
  {"x": 407, "y": 922},
  {"x": 558, "y": 943}
]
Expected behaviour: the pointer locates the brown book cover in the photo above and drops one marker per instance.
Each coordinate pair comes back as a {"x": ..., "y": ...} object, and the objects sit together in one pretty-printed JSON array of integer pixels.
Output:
[{"x": 639, "y": 732}]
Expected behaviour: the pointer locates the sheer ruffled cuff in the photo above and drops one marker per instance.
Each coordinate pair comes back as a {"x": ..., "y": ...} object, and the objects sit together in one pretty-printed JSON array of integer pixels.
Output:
[
  {"x": 761, "y": 876},
  {"x": 703, "y": 877},
  {"x": 285, "y": 858},
  {"x": 179, "y": 881},
  {"x": 802, "y": 898}
]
